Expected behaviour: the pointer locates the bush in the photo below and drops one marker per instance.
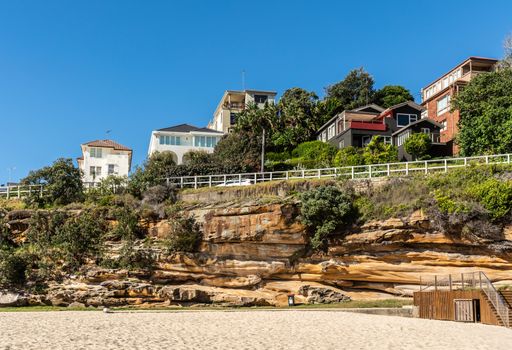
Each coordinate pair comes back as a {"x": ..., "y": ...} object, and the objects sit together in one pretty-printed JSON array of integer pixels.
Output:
[
  {"x": 159, "y": 194},
  {"x": 185, "y": 234},
  {"x": 13, "y": 267},
  {"x": 127, "y": 226},
  {"x": 417, "y": 145},
  {"x": 494, "y": 195},
  {"x": 377, "y": 152},
  {"x": 319, "y": 152},
  {"x": 348, "y": 156},
  {"x": 325, "y": 210}
]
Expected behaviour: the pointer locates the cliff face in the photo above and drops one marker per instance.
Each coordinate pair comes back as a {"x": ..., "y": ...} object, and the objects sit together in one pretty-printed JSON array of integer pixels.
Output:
[{"x": 253, "y": 254}]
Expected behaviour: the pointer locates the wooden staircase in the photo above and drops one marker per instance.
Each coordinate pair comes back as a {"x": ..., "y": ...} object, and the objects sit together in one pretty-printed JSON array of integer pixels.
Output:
[{"x": 507, "y": 295}]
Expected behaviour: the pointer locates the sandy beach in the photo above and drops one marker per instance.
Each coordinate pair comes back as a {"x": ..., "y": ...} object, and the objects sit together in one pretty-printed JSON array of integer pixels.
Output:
[{"x": 240, "y": 330}]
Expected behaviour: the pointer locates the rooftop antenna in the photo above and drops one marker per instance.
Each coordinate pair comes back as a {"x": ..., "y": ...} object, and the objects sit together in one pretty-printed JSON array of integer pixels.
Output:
[
  {"x": 108, "y": 132},
  {"x": 243, "y": 79}
]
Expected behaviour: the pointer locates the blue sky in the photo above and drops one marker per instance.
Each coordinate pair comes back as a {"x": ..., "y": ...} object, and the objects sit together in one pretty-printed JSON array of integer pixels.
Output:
[{"x": 71, "y": 70}]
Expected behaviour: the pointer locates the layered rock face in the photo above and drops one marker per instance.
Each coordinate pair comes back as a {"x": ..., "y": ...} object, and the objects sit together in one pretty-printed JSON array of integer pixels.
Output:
[{"x": 254, "y": 254}]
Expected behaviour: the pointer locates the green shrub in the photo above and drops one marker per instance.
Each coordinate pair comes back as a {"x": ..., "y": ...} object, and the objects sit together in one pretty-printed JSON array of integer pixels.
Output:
[
  {"x": 127, "y": 227},
  {"x": 494, "y": 195},
  {"x": 319, "y": 152},
  {"x": 325, "y": 210},
  {"x": 185, "y": 234},
  {"x": 13, "y": 268},
  {"x": 348, "y": 156},
  {"x": 417, "y": 145},
  {"x": 377, "y": 152}
]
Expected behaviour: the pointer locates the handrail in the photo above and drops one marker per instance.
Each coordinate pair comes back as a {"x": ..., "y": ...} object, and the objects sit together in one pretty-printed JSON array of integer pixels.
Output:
[
  {"x": 473, "y": 280},
  {"x": 357, "y": 172},
  {"x": 496, "y": 299}
]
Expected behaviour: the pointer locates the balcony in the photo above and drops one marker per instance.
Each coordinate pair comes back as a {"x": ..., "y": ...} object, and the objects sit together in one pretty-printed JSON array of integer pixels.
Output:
[
  {"x": 367, "y": 125},
  {"x": 234, "y": 105}
]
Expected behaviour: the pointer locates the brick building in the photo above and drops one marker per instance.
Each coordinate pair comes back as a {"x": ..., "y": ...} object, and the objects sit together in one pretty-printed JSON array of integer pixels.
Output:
[{"x": 436, "y": 97}]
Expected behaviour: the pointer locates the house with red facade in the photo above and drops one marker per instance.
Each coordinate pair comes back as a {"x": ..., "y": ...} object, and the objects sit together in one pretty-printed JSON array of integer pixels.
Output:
[
  {"x": 436, "y": 96},
  {"x": 357, "y": 127}
]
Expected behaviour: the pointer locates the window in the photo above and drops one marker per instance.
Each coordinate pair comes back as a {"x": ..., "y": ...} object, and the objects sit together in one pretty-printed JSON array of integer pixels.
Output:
[
  {"x": 403, "y": 119},
  {"x": 425, "y": 131},
  {"x": 170, "y": 140},
  {"x": 233, "y": 117},
  {"x": 402, "y": 137},
  {"x": 331, "y": 131},
  {"x": 444, "y": 125},
  {"x": 366, "y": 140},
  {"x": 341, "y": 144},
  {"x": 324, "y": 136},
  {"x": 443, "y": 104},
  {"x": 205, "y": 141},
  {"x": 111, "y": 169},
  {"x": 260, "y": 98},
  {"x": 386, "y": 140},
  {"x": 95, "y": 171},
  {"x": 96, "y": 152}
]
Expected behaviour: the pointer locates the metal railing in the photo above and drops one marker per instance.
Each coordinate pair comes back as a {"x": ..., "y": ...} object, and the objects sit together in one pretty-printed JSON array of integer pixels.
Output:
[
  {"x": 20, "y": 191},
  {"x": 353, "y": 172},
  {"x": 472, "y": 280}
]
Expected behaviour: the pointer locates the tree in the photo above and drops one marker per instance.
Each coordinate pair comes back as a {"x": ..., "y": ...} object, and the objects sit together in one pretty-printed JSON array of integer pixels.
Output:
[
  {"x": 62, "y": 183},
  {"x": 354, "y": 91},
  {"x": 239, "y": 151},
  {"x": 377, "y": 152},
  {"x": 391, "y": 95},
  {"x": 485, "y": 105},
  {"x": 153, "y": 172},
  {"x": 297, "y": 121},
  {"x": 417, "y": 145}
]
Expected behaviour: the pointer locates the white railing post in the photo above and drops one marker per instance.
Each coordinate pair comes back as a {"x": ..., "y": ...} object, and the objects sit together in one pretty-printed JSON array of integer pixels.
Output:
[
  {"x": 303, "y": 173},
  {"x": 195, "y": 181},
  {"x": 426, "y": 167},
  {"x": 210, "y": 181},
  {"x": 445, "y": 165},
  {"x": 287, "y": 175},
  {"x": 8, "y": 192},
  {"x": 19, "y": 191},
  {"x": 335, "y": 172},
  {"x": 465, "y": 162},
  {"x": 319, "y": 173},
  {"x": 255, "y": 178},
  {"x": 181, "y": 182},
  {"x": 388, "y": 171},
  {"x": 353, "y": 173},
  {"x": 271, "y": 175},
  {"x": 486, "y": 159},
  {"x": 407, "y": 168},
  {"x": 239, "y": 179}
]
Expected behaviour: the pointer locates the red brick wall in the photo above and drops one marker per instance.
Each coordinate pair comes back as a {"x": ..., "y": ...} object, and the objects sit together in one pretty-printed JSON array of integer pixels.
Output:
[{"x": 451, "y": 118}]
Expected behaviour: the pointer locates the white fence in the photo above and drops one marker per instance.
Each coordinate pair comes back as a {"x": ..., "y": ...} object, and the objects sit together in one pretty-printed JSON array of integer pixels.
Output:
[
  {"x": 20, "y": 191},
  {"x": 353, "y": 172}
]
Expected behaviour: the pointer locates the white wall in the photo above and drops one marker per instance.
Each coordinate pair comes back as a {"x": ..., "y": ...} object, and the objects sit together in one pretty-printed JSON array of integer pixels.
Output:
[
  {"x": 120, "y": 159},
  {"x": 187, "y": 144}
]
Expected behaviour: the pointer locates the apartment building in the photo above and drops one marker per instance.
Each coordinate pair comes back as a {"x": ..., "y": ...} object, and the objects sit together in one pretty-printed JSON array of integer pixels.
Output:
[
  {"x": 233, "y": 102},
  {"x": 437, "y": 96}
]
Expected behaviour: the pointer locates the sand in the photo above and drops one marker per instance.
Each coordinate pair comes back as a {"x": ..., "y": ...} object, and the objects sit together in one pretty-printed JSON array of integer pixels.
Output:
[{"x": 296, "y": 329}]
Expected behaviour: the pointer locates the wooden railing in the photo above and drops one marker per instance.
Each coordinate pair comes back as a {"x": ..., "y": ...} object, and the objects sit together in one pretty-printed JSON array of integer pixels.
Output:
[
  {"x": 472, "y": 280},
  {"x": 354, "y": 172},
  {"x": 20, "y": 191}
]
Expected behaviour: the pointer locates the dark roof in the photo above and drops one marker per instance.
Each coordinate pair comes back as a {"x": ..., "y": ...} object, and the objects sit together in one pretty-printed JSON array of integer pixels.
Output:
[
  {"x": 406, "y": 103},
  {"x": 107, "y": 144},
  {"x": 423, "y": 120},
  {"x": 188, "y": 128}
]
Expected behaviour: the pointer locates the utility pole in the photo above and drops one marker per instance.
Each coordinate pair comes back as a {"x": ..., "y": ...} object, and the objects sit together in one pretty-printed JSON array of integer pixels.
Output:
[{"x": 263, "y": 152}]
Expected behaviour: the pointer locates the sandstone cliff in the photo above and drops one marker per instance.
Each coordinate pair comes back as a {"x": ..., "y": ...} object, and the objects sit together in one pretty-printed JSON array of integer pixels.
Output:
[{"x": 256, "y": 254}]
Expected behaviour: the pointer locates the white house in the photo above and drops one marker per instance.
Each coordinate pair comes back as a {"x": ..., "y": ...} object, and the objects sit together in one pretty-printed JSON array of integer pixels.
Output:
[
  {"x": 102, "y": 158},
  {"x": 180, "y": 139},
  {"x": 233, "y": 102}
]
